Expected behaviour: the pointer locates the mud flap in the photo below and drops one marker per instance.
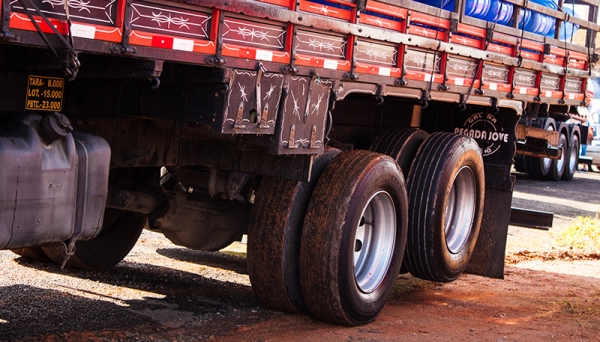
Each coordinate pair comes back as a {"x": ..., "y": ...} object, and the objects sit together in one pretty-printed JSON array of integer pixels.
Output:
[
  {"x": 495, "y": 133},
  {"x": 488, "y": 256}
]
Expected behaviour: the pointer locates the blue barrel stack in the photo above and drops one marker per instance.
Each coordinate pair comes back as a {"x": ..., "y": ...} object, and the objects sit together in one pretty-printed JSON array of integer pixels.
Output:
[{"x": 500, "y": 12}]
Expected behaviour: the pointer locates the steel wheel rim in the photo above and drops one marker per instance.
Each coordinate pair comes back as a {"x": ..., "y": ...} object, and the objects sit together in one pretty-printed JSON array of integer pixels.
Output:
[
  {"x": 573, "y": 155},
  {"x": 374, "y": 241},
  {"x": 547, "y": 162},
  {"x": 460, "y": 210},
  {"x": 561, "y": 161}
]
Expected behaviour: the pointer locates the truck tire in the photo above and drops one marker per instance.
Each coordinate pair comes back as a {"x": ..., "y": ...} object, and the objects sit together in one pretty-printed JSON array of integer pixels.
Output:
[
  {"x": 119, "y": 234},
  {"x": 572, "y": 157},
  {"x": 33, "y": 253},
  {"x": 353, "y": 238},
  {"x": 445, "y": 195},
  {"x": 538, "y": 168},
  {"x": 558, "y": 166},
  {"x": 520, "y": 164},
  {"x": 274, "y": 237},
  {"x": 401, "y": 144}
]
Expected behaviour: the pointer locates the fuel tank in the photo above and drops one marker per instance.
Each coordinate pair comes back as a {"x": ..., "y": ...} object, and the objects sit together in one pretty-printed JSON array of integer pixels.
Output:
[{"x": 54, "y": 182}]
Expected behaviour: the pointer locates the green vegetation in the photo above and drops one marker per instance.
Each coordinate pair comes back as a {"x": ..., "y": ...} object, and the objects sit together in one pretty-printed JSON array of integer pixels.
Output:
[
  {"x": 583, "y": 233},
  {"x": 580, "y": 307}
]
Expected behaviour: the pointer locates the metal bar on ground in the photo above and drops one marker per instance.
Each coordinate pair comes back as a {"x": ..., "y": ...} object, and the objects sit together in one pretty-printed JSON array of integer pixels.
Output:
[{"x": 531, "y": 218}]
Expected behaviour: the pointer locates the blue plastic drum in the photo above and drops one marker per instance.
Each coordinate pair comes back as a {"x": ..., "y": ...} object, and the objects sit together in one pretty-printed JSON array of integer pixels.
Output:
[
  {"x": 445, "y": 4},
  {"x": 489, "y": 10},
  {"x": 493, "y": 12},
  {"x": 535, "y": 22},
  {"x": 478, "y": 8},
  {"x": 568, "y": 29},
  {"x": 504, "y": 13},
  {"x": 496, "y": 11}
]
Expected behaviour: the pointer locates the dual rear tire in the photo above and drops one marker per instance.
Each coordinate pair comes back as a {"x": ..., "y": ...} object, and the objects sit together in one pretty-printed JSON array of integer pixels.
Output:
[
  {"x": 539, "y": 168},
  {"x": 554, "y": 169},
  {"x": 558, "y": 167},
  {"x": 332, "y": 246},
  {"x": 274, "y": 232},
  {"x": 336, "y": 250},
  {"x": 572, "y": 155}
]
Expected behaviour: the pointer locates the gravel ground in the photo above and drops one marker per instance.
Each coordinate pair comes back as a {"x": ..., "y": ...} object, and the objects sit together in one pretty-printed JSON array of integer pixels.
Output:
[
  {"x": 567, "y": 200},
  {"x": 162, "y": 292},
  {"x": 158, "y": 286}
]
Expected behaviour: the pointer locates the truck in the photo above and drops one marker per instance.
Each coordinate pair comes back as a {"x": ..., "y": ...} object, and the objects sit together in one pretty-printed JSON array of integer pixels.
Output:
[{"x": 349, "y": 140}]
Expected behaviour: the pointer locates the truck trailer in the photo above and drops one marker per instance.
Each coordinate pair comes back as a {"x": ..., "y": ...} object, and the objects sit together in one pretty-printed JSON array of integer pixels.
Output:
[{"x": 350, "y": 140}]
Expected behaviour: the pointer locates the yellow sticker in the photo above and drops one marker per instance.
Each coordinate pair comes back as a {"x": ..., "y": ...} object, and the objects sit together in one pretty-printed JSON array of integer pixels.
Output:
[{"x": 44, "y": 93}]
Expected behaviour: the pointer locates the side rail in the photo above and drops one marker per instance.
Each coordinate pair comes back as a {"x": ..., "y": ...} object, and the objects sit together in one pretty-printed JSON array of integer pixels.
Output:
[{"x": 533, "y": 51}]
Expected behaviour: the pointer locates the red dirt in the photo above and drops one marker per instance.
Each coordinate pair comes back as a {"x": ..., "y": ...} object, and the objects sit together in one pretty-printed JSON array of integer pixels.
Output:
[{"x": 527, "y": 305}]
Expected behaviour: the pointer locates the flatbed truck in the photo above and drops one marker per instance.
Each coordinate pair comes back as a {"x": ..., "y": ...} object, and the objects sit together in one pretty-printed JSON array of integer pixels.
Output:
[{"x": 350, "y": 140}]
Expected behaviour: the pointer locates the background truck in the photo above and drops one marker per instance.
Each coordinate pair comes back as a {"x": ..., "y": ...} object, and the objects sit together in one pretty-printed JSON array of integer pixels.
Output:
[{"x": 350, "y": 140}]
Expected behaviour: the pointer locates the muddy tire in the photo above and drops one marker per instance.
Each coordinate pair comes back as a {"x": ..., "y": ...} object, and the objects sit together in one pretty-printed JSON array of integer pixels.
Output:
[
  {"x": 353, "y": 238},
  {"x": 538, "y": 168},
  {"x": 445, "y": 192},
  {"x": 274, "y": 234},
  {"x": 401, "y": 144},
  {"x": 33, "y": 253},
  {"x": 119, "y": 234},
  {"x": 558, "y": 166},
  {"x": 572, "y": 157}
]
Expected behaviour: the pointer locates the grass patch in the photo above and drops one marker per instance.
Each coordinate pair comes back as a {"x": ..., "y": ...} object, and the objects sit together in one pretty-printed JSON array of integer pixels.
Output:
[
  {"x": 583, "y": 233},
  {"x": 579, "y": 307}
]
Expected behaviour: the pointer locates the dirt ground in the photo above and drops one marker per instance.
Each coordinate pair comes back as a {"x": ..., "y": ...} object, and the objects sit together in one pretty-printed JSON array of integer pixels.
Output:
[{"x": 162, "y": 292}]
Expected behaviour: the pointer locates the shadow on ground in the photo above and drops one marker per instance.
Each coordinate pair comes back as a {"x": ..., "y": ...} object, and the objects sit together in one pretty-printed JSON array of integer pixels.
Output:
[{"x": 178, "y": 299}]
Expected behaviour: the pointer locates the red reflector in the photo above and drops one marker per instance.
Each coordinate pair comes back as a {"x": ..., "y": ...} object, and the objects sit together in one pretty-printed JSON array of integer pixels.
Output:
[{"x": 162, "y": 42}]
